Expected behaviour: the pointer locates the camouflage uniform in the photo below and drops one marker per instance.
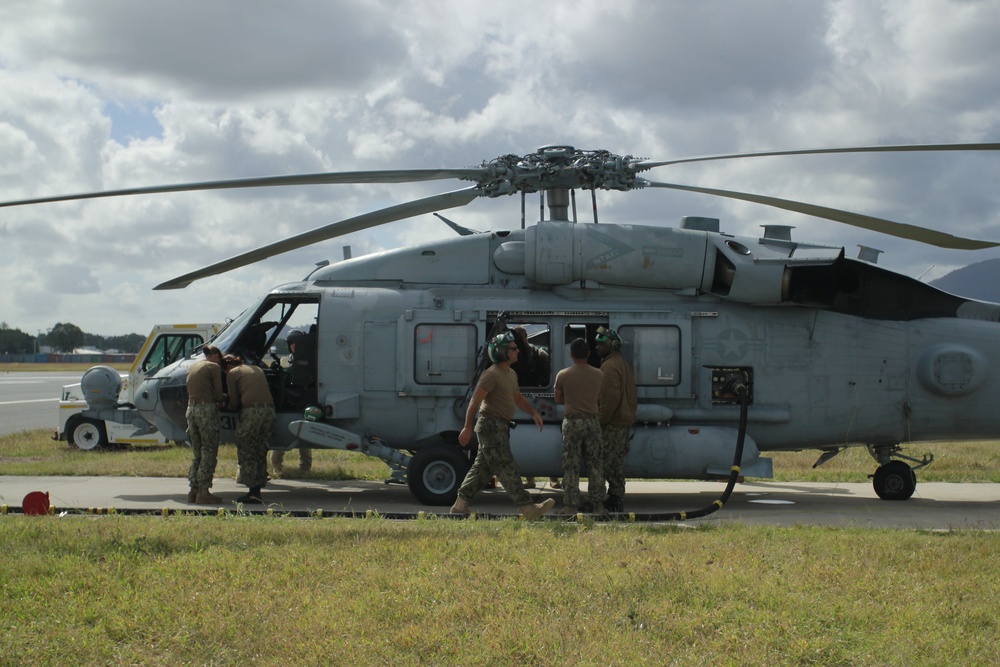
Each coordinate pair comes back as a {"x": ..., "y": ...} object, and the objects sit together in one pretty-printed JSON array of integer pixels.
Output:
[
  {"x": 253, "y": 435},
  {"x": 249, "y": 393},
  {"x": 582, "y": 446},
  {"x": 494, "y": 458},
  {"x": 203, "y": 433},
  {"x": 615, "y": 450},
  {"x": 618, "y": 409}
]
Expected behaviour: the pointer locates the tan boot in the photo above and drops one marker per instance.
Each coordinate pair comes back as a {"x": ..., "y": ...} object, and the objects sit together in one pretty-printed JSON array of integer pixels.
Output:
[
  {"x": 536, "y": 510},
  {"x": 205, "y": 497},
  {"x": 192, "y": 494},
  {"x": 461, "y": 506}
]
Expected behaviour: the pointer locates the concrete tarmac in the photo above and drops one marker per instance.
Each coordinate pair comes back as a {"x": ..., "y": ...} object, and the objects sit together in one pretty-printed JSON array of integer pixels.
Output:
[{"x": 934, "y": 506}]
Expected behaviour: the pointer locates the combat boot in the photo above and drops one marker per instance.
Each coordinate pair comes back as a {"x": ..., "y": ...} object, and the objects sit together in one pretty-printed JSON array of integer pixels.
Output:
[
  {"x": 193, "y": 494},
  {"x": 251, "y": 496},
  {"x": 614, "y": 504},
  {"x": 461, "y": 506},
  {"x": 205, "y": 497},
  {"x": 533, "y": 511}
]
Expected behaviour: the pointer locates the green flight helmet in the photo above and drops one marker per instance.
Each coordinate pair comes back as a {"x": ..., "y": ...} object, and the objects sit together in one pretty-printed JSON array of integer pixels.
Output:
[
  {"x": 497, "y": 348},
  {"x": 610, "y": 337}
]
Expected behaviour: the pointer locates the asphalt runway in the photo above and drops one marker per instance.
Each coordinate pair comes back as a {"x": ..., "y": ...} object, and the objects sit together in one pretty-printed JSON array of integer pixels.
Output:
[
  {"x": 934, "y": 506},
  {"x": 30, "y": 400}
]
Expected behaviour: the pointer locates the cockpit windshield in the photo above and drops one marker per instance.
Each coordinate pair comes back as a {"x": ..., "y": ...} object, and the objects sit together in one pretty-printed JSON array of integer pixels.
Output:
[
  {"x": 232, "y": 330},
  {"x": 264, "y": 328}
]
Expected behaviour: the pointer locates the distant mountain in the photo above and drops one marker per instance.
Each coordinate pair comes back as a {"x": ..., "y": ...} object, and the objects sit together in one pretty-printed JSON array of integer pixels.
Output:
[{"x": 976, "y": 281}]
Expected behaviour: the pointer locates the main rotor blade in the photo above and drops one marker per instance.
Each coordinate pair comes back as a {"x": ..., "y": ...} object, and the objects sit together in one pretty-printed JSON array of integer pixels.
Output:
[
  {"x": 333, "y": 230},
  {"x": 326, "y": 178},
  {"x": 899, "y": 229},
  {"x": 902, "y": 148}
]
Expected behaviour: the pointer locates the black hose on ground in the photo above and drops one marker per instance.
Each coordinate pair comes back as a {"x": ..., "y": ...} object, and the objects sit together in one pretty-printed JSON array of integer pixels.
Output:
[{"x": 739, "y": 388}]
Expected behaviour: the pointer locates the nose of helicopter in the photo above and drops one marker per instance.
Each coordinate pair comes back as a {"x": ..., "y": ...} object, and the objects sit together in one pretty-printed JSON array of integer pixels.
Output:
[{"x": 162, "y": 400}]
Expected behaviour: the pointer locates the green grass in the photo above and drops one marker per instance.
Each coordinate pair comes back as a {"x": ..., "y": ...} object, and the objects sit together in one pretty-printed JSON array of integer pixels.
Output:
[
  {"x": 56, "y": 368},
  {"x": 236, "y": 590},
  {"x": 239, "y": 590},
  {"x": 972, "y": 461},
  {"x": 35, "y": 453}
]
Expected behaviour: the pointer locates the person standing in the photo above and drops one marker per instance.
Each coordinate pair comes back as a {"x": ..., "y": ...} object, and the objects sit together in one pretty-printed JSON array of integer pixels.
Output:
[
  {"x": 494, "y": 400},
  {"x": 533, "y": 367},
  {"x": 249, "y": 393},
  {"x": 618, "y": 408},
  {"x": 205, "y": 395},
  {"x": 305, "y": 453},
  {"x": 578, "y": 388}
]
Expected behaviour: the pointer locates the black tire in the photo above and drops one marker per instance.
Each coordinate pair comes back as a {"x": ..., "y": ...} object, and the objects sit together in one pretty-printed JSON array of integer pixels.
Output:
[
  {"x": 436, "y": 473},
  {"x": 894, "y": 481},
  {"x": 86, "y": 434}
]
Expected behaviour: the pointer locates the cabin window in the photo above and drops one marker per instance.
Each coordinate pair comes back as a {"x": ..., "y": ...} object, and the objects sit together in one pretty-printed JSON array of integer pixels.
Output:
[
  {"x": 444, "y": 353},
  {"x": 588, "y": 332},
  {"x": 169, "y": 348},
  {"x": 655, "y": 353},
  {"x": 534, "y": 359}
]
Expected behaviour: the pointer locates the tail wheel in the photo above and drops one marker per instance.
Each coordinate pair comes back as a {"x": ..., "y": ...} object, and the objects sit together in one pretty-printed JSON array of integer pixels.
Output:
[
  {"x": 894, "y": 481},
  {"x": 436, "y": 473},
  {"x": 86, "y": 433}
]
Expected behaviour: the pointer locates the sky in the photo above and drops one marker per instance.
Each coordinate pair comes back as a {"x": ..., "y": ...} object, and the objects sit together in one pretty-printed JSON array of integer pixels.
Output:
[{"x": 111, "y": 94}]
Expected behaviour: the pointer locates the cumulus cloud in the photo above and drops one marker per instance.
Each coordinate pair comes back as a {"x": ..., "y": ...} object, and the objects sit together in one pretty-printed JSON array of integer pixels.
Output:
[{"x": 92, "y": 97}]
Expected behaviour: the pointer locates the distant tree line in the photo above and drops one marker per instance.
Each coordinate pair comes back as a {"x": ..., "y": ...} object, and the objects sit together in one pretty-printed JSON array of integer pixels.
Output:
[{"x": 65, "y": 337}]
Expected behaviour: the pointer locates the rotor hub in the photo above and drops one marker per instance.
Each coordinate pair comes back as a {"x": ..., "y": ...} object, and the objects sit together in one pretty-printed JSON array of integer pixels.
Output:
[{"x": 554, "y": 167}]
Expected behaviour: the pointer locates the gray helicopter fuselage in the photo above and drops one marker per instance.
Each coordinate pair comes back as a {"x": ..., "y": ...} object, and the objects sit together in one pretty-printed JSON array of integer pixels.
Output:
[{"x": 834, "y": 351}]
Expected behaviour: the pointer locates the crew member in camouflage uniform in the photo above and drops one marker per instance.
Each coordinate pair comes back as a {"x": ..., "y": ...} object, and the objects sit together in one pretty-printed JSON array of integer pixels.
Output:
[
  {"x": 618, "y": 407},
  {"x": 204, "y": 388},
  {"x": 579, "y": 388},
  {"x": 497, "y": 393},
  {"x": 249, "y": 393},
  {"x": 305, "y": 454}
]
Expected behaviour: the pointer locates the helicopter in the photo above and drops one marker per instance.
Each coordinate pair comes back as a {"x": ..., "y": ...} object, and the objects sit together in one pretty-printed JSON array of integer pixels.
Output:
[{"x": 829, "y": 351}]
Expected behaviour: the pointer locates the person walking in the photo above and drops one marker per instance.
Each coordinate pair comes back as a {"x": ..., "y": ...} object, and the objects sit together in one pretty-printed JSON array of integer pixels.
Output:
[
  {"x": 494, "y": 401},
  {"x": 578, "y": 388},
  {"x": 617, "y": 413}
]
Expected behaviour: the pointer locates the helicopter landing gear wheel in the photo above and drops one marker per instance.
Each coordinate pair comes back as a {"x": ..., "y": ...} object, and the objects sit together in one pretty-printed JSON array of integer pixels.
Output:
[
  {"x": 894, "y": 481},
  {"x": 86, "y": 433},
  {"x": 436, "y": 473}
]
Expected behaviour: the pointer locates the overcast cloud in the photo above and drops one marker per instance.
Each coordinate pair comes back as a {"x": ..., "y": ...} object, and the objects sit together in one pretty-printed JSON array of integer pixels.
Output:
[{"x": 114, "y": 94}]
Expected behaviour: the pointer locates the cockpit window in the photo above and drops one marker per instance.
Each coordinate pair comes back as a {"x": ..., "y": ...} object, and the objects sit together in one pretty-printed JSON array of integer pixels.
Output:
[
  {"x": 262, "y": 331},
  {"x": 224, "y": 340}
]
